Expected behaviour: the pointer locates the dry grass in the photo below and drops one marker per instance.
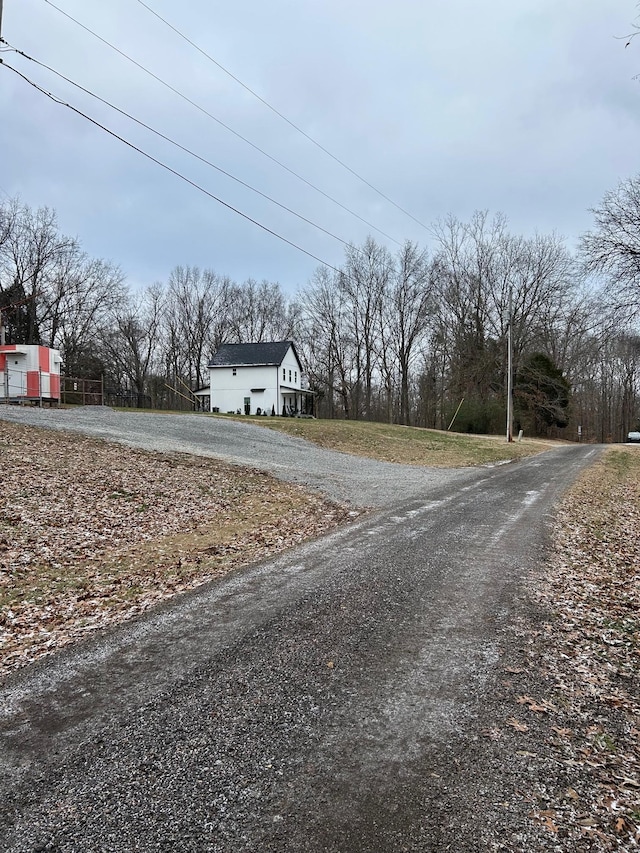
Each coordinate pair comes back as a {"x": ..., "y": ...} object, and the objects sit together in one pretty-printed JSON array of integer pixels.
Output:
[{"x": 408, "y": 445}]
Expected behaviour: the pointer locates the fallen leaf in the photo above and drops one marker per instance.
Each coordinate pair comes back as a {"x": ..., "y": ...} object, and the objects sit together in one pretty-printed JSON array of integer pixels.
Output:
[
  {"x": 620, "y": 825},
  {"x": 533, "y": 705},
  {"x": 517, "y": 725},
  {"x": 493, "y": 734},
  {"x": 545, "y": 817}
]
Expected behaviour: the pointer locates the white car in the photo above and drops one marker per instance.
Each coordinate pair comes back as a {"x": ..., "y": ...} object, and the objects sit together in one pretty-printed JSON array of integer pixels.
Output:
[{"x": 634, "y": 437}]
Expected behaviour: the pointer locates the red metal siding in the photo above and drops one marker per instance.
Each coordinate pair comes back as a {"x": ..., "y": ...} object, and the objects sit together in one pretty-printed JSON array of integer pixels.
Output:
[
  {"x": 43, "y": 359},
  {"x": 33, "y": 383},
  {"x": 54, "y": 390}
]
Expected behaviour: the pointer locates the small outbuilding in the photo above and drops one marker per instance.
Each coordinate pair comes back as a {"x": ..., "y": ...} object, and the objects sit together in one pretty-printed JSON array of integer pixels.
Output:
[
  {"x": 29, "y": 374},
  {"x": 255, "y": 379}
]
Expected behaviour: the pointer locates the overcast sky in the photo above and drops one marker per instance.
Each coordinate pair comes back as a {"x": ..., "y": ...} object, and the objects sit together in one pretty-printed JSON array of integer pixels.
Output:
[{"x": 524, "y": 107}]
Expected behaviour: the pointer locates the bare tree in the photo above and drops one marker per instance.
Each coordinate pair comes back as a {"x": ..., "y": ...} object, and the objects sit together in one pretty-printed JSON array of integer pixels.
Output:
[
  {"x": 488, "y": 279},
  {"x": 80, "y": 303},
  {"x": 326, "y": 345},
  {"x": 365, "y": 277},
  {"x": 407, "y": 309},
  {"x": 9, "y": 212},
  {"x": 467, "y": 270},
  {"x": 196, "y": 311},
  {"x": 258, "y": 312},
  {"x": 53, "y": 292},
  {"x": 130, "y": 348},
  {"x": 613, "y": 247},
  {"x": 31, "y": 249},
  {"x": 628, "y": 369},
  {"x": 634, "y": 32}
]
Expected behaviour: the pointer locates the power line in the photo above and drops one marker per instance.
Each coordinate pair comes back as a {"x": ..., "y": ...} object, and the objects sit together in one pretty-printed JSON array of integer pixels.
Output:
[
  {"x": 177, "y": 144},
  {"x": 280, "y": 115},
  {"x": 182, "y": 177},
  {"x": 220, "y": 122}
]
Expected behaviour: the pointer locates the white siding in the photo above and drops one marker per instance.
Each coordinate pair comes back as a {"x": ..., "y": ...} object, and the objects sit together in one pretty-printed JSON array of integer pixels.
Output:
[
  {"x": 292, "y": 370},
  {"x": 228, "y": 392}
]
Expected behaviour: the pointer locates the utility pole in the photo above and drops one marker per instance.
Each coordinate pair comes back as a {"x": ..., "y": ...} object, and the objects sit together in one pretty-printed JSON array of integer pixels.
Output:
[
  {"x": 0, "y": 25},
  {"x": 509, "y": 369}
]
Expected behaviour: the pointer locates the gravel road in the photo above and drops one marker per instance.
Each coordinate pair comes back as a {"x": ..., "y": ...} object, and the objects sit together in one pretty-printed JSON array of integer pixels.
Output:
[
  {"x": 341, "y": 476},
  {"x": 333, "y": 699}
]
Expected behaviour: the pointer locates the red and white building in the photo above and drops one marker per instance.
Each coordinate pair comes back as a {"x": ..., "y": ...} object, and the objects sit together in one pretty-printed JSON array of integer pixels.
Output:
[{"x": 29, "y": 374}]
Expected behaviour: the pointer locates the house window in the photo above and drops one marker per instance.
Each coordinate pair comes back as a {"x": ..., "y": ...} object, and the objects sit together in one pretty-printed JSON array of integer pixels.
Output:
[
  {"x": 289, "y": 376},
  {"x": 234, "y": 371},
  {"x": 295, "y": 376},
  {"x": 284, "y": 374}
]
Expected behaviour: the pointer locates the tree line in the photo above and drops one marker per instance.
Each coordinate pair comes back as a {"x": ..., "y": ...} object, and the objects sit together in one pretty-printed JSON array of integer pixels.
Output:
[{"x": 412, "y": 337}]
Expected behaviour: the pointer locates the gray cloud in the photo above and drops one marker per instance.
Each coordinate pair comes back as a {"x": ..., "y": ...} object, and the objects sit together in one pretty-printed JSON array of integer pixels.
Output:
[{"x": 530, "y": 109}]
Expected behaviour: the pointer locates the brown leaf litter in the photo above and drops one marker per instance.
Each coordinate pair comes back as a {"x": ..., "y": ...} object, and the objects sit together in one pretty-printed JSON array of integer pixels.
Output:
[
  {"x": 585, "y": 733},
  {"x": 92, "y": 533}
]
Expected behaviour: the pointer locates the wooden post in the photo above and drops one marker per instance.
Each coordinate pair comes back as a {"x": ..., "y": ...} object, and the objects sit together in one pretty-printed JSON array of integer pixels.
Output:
[{"x": 456, "y": 414}]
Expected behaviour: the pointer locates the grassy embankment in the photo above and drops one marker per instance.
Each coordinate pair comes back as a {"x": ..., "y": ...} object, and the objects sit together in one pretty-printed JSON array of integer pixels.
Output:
[{"x": 408, "y": 445}]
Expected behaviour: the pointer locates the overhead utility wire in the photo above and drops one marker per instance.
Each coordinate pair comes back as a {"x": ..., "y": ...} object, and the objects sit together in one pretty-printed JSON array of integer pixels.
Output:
[
  {"x": 176, "y": 144},
  {"x": 282, "y": 116},
  {"x": 153, "y": 159},
  {"x": 220, "y": 122}
]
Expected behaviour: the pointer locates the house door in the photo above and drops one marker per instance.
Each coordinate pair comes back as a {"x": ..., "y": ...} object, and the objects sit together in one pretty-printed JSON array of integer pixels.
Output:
[{"x": 247, "y": 405}]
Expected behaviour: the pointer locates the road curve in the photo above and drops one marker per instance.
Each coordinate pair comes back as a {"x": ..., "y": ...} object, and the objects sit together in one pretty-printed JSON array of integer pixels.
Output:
[
  {"x": 341, "y": 476},
  {"x": 329, "y": 700}
]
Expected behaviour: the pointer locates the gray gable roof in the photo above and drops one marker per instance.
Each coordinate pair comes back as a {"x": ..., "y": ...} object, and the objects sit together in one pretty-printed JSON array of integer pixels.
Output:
[{"x": 239, "y": 355}]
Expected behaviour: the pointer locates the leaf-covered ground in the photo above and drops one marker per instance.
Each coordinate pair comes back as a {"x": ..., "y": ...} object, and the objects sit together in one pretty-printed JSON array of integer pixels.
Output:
[
  {"x": 92, "y": 533},
  {"x": 580, "y": 730}
]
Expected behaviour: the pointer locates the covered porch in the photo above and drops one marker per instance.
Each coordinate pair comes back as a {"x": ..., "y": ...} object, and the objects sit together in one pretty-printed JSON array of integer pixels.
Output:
[{"x": 297, "y": 403}]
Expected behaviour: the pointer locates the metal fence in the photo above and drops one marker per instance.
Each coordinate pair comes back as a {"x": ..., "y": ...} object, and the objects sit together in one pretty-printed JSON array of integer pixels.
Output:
[
  {"x": 81, "y": 392},
  {"x": 32, "y": 387}
]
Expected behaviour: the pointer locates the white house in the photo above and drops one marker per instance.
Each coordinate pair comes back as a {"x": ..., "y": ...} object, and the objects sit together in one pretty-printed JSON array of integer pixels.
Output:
[{"x": 257, "y": 379}]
